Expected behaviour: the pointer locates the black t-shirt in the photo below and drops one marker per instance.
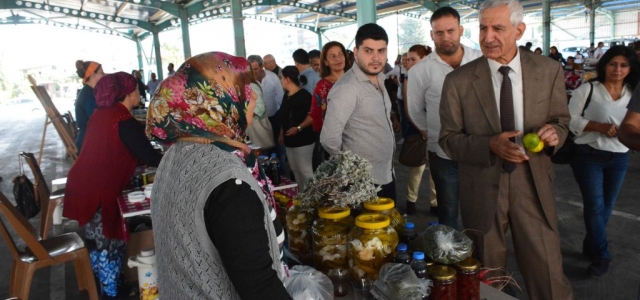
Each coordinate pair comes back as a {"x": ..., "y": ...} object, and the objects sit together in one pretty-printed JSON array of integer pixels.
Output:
[
  {"x": 293, "y": 110},
  {"x": 234, "y": 217},
  {"x": 131, "y": 133}
]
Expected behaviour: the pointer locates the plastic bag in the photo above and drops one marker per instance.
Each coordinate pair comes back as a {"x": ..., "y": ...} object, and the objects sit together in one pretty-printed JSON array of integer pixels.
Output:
[
  {"x": 443, "y": 244},
  {"x": 398, "y": 281},
  {"x": 307, "y": 283}
]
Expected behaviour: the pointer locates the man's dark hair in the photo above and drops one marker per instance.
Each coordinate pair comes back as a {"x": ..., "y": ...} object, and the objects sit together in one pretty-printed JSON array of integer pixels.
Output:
[
  {"x": 301, "y": 56},
  {"x": 529, "y": 45},
  {"x": 314, "y": 54},
  {"x": 371, "y": 31},
  {"x": 443, "y": 12}
]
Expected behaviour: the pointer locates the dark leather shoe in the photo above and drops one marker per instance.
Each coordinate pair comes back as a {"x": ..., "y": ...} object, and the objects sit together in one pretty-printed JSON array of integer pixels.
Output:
[
  {"x": 586, "y": 249},
  {"x": 411, "y": 208},
  {"x": 599, "y": 267}
]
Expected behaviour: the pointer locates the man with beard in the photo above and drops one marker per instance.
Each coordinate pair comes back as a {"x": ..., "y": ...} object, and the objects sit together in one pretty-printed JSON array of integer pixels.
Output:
[
  {"x": 423, "y": 93},
  {"x": 486, "y": 107},
  {"x": 358, "y": 109}
]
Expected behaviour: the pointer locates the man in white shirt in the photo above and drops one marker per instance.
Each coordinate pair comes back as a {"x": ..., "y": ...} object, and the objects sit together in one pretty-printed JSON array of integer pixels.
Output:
[
  {"x": 486, "y": 106},
  {"x": 152, "y": 85},
  {"x": 423, "y": 93},
  {"x": 170, "y": 69},
  {"x": 599, "y": 51}
]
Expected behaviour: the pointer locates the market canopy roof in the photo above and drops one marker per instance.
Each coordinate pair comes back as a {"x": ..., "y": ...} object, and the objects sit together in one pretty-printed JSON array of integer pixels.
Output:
[{"x": 137, "y": 19}]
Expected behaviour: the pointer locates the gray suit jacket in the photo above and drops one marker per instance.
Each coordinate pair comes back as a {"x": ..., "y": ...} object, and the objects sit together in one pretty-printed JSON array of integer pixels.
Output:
[{"x": 469, "y": 117}]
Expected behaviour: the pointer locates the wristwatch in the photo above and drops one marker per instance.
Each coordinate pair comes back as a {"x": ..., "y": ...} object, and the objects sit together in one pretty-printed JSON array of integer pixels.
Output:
[{"x": 299, "y": 128}]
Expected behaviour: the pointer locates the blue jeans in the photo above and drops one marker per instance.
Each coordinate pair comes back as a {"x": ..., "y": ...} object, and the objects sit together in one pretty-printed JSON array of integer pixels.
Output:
[
  {"x": 600, "y": 175},
  {"x": 445, "y": 177}
]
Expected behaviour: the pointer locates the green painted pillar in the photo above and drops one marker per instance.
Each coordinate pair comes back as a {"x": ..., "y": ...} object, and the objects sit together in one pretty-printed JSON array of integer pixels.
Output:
[
  {"x": 156, "y": 46},
  {"x": 546, "y": 22},
  {"x": 592, "y": 23},
  {"x": 238, "y": 28},
  {"x": 184, "y": 25},
  {"x": 139, "y": 48},
  {"x": 612, "y": 17},
  {"x": 319, "y": 33},
  {"x": 366, "y": 12}
]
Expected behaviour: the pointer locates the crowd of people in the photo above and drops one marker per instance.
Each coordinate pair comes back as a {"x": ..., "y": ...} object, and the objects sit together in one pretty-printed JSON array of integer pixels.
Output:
[{"x": 469, "y": 108}]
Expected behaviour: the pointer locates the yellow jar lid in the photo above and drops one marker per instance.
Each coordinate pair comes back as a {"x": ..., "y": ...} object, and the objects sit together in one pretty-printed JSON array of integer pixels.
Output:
[
  {"x": 334, "y": 213},
  {"x": 442, "y": 273},
  {"x": 468, "y": 264},
  {"x": 372, "y": 221},
  {"x": 382, "y": 204}
]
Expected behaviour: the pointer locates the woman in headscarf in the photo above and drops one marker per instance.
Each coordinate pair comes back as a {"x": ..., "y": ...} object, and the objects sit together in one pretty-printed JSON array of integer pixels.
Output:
[
  {"x": 215, "y": 231},
  {"x": 90, "y": 72},
  {"x": 114, "y": 144}
]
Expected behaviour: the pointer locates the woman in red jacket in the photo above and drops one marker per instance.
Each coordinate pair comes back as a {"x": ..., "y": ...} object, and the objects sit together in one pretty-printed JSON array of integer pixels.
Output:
[{"x": 113, "y": 145}]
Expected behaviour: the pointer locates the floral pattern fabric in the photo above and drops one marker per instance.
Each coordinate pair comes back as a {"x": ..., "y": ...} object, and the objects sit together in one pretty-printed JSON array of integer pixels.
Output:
[
  {"x": 106, "y": 255},
  {"x": 319, "y": 103}
]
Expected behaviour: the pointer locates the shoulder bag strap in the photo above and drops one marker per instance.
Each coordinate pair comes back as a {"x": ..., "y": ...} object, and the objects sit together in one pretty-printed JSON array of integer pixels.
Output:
[{"x": 588, "y": 99}]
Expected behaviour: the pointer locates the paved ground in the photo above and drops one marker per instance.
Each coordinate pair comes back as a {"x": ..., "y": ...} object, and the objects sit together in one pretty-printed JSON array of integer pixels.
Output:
[{"x": 22, "y": 132}]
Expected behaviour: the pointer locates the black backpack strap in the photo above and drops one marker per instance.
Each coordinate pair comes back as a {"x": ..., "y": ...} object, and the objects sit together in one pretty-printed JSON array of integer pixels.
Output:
[{"x": 588, "y": 99}]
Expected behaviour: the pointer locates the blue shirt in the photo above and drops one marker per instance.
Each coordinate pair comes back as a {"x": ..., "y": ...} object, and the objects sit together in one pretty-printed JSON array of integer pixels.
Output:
[{"x": 312, "y": 79}]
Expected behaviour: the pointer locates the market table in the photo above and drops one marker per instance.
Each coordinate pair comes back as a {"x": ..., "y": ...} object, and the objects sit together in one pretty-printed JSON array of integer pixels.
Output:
[{"x": 486, "y": 292}]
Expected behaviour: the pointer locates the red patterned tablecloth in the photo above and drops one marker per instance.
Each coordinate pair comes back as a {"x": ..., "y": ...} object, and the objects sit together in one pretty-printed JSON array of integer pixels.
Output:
[{"x": 130, "y": 209}]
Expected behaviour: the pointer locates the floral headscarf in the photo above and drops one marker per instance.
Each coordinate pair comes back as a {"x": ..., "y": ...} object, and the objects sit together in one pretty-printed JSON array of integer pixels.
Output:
[{"x": 206, "y": 97}]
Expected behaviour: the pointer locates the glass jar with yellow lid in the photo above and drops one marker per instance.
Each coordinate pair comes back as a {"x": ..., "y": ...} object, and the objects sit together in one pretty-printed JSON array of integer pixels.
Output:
[
  {"x": 386, "y": 206},
  {"x": 299, "y": 223},
  {"x": 468, "y": 280},
  {"x": 372, "y": 243},
  {"x": 330, "y": 231},
  {"x": 444, "y": 283}
]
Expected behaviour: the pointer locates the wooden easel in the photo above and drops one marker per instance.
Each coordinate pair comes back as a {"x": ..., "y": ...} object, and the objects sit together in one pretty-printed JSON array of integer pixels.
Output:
[{"x": 62, "y": 126}]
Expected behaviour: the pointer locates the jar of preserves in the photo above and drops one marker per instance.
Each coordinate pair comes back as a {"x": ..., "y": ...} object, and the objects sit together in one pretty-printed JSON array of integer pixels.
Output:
[
  {"x": 283, "y": 205},
  {"x": 468, "y": 280},
  {"x": 444, "y": 283},
  {"x": 386, "y": 206},
  {"x": 299, "y": 223},
  {"x": 372, "y": 243},
  {"x": 330, "y": 231}
]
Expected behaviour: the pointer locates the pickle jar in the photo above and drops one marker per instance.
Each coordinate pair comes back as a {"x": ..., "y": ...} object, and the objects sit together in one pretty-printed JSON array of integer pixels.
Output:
[
  {"x": 468, "y": 280},
  {"x": 386, "y": 206},
  {"x": 330, "y": 231},
  {"x": 372, "y": 243},
  {"x": 299, "y": 223},
  {"x": 444, "y": 283},
  {"x": 282, "y": 201}
]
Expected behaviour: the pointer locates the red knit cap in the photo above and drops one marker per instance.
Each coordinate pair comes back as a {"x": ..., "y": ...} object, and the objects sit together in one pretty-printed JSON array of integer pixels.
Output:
[{"x": 112, "y": 87}]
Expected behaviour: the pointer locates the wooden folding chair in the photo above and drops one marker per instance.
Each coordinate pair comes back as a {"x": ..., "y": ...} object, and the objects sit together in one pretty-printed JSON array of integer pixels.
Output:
[
  {"x": 42, "y": 253},
  {"x": 48, "y": 201}
]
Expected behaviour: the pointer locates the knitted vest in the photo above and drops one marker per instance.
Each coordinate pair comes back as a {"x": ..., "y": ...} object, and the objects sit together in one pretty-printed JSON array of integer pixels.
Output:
[{"x": 189, "y": 265}]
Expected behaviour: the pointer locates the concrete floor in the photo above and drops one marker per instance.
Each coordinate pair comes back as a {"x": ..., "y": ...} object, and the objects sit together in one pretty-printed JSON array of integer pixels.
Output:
[{"x": 23, "y": 133}]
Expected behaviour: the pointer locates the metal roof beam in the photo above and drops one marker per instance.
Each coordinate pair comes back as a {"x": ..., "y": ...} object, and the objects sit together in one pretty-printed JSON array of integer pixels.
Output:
[
  {"x": 205, "y": 5},
  {"x": 122, "y": 7},
  {"x": 75, "y": 13},
  {"x": 16, "y": 19}
]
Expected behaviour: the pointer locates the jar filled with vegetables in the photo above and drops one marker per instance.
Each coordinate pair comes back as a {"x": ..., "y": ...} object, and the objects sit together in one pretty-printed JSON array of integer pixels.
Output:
[
  {"x": 468, "y": 279},
  {"x": 372, "y": 243},
  {"x": 444, "y": 283},
  {"x": 299, "y": 223},
  {"x": 283, "y": 202},
  {"x": 330, "y": 231},
  {"x": 386, "y": 206}
]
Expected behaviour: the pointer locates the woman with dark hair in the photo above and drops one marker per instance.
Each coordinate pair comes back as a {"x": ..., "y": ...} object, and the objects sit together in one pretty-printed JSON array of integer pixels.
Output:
[
  {"x": 601, "y": 161},
  {"x": 555, "y": 55},
  {"x": 299, "y": 138},
  {"x": 334, "y": 61},
  {"x": 90, "y": 72},
  {"x": 215, "y": 231},
  {"x": 538, "y": 51},
  {"x": 114, "y": 144}
]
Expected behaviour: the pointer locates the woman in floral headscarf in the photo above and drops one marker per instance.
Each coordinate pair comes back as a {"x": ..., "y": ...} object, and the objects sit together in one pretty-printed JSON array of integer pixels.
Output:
[
  {"x": 215, "y": 233},
  {"x": 113, "y": 144}
]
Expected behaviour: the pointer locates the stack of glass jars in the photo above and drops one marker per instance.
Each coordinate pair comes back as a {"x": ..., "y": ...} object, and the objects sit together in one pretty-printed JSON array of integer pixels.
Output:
[
  {"x": 468, "y": 280},
  {"x": 330, "y": 233},
  {"x": 372, "y": 244},
  {"x": 299, "y": 232},
  {"x": 444, "y": 283},
  {"x": 386, "y": 206},
  {"x": 283, "y": 202}
]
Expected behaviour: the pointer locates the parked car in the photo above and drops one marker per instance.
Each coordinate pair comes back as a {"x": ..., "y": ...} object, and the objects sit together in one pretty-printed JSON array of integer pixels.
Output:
[
  {"x": 22, "y": 105},
  {"x": 571, "y": 51}
]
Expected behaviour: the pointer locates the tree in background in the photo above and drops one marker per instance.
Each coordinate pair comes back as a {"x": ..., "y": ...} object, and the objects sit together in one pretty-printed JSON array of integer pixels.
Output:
[
  {"x": 171, "y": 54},
  {"x": 411, "y": 33}
]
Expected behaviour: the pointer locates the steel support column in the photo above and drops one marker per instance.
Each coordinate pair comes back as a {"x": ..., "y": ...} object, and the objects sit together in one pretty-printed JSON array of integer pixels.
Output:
[
  {"x": 156, "y": 46},
  {"x": 186, "y": 40},
  {"x": 366, "y": 12},
  {"x": 546, "y": 22},
  {"x": 612, "y": 17},
  {"x": 592, "y": 23},
  {"x": 139, "y": 48},
  {"x": 238, "y": 28},
  {"x": 319, "y": 33}
]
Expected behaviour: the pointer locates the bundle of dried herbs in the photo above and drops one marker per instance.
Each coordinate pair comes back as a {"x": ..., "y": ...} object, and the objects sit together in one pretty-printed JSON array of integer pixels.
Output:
[{"x": 342, "y": 180}]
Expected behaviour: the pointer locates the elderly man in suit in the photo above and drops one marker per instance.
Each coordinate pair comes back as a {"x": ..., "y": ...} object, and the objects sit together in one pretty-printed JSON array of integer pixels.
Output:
[{"x": 486, "y": 107}]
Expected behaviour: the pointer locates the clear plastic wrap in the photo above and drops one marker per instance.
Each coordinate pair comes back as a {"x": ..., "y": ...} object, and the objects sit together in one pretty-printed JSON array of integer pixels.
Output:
[
  {"x": 398, "y": 281},
  {"x": 443, "y": 244},
  {"x": 307, "y": 283}
]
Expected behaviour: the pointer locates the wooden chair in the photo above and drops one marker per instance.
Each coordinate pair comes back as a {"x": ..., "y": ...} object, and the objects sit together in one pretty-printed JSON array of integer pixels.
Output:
[
  {"x": 42, "y": 253},
  {"x": 48, "y": 201}
]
